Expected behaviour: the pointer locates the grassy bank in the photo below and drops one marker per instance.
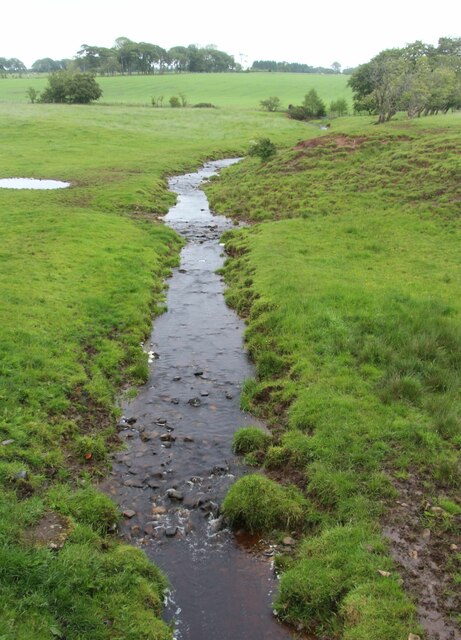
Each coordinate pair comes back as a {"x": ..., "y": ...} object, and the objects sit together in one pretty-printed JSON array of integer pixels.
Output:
[
  {"x": 82, "y": 274},
  {"x": 351, "y": 290},
  {"x": 237, "y": 90}
]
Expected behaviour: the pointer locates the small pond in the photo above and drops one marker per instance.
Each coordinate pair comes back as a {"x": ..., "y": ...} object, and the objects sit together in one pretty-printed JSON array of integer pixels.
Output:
[{"x": 31, "y": 183}]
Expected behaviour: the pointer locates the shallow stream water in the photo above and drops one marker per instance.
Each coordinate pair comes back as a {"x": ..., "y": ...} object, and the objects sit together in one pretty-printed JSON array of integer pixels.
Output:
[{"x": 178, "y": 464}]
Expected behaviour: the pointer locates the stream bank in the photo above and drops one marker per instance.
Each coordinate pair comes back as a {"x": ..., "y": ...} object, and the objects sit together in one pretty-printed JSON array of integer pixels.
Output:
[{"x": 178, "y": 465}]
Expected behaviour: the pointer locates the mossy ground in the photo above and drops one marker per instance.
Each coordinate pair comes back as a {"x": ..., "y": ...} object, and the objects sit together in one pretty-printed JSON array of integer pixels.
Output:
[{"x": 351, "y": 291}]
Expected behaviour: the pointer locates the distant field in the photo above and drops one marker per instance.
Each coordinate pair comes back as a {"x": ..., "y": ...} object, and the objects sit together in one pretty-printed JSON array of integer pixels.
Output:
[{"x": 221, "y": 89}]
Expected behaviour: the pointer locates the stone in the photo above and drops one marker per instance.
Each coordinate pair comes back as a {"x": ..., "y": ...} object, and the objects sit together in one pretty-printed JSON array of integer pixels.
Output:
[
  {"x": 131, "y": 420},
  {"x": 7, "y": 442},
  {"x": 22, "y": 475},
  {"x": 426, "y": 534},
  {"x": 413, "y": 636},
  {"x": 288, "y": 541},
  {"x": 229, "y": 396},
  {"x": 204, "y": 394},
  {"x": 174, "y": 494},
  {"x": 385, "y": 574},
  {"x": 133, "y": 482},
  {"x": 129, "y": 513},
  {"x": 437, "y": 510},
  {"x": 190, "y": 501},
  {"x": 161, "y": 422},
  {"x": 174, "y": 400},
  {"x": 167, "y": 437},
  {"x": 149, "y": 529},
  {"x": 198, "y": 373},
  {"x": 195, "y": 402},
  {"x": 153, "y": 484},
  {"x": 188, "y": 439},
  {"x": 170, "y": 532},
  {"x": 159, "y": 511},
  {"x": 454, "y": 547},
  {"x": 176, "y": 378}
]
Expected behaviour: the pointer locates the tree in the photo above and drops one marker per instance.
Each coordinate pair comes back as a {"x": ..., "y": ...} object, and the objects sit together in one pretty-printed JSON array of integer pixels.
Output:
[
  {"x": 270, "y": 104},
  {"x": 339, "y": 107},
  {"x": 336, "y": 67},
  {"x": 378, "y": 85},
  {"x": 313, "y": 105},
  {"x": 71, "y": 88}
]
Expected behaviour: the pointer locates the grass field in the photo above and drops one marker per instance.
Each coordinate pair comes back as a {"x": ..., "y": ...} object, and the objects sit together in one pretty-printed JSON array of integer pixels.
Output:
[
  {"x": 351, "y": 290},
  {"x": 238, "y": 90},
  {"x": 81, "y": 276}
]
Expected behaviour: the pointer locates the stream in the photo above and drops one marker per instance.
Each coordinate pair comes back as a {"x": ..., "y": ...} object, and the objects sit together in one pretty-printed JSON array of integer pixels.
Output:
[{"x": 178, "y": 463}]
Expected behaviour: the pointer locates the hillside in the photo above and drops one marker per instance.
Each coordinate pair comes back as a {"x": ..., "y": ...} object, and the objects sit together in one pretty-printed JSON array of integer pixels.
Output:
[{"x": 239, "y": 90}]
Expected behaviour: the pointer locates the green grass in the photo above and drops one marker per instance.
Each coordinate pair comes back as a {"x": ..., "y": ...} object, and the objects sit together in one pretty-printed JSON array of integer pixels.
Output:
[
  {"x": 81, "y": 277},
  {"x": 351, "y": 291},
  {"x": 237, "y": 90}
]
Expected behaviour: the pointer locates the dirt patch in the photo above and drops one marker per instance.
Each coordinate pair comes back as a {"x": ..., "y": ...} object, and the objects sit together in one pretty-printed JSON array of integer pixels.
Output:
[
  {"x": 423, "y": 555},
  {"x": 342, "y": 141},
  {"x": 51, "y": 531}
]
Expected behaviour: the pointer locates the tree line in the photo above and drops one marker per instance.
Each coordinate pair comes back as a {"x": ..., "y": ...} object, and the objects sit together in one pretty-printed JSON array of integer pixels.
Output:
[
  {"x": 128, "y": 57},
  {"x": 420, "y": 79},
  {"x": 296, "y": 67}
]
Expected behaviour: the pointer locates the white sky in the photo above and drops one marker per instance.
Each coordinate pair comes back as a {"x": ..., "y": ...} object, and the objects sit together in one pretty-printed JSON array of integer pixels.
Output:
[{"x": 318, "y": 33}]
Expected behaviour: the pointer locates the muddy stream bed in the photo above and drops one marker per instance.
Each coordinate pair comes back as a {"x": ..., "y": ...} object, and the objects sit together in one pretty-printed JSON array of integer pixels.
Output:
[{"x": 178, "y": 463}]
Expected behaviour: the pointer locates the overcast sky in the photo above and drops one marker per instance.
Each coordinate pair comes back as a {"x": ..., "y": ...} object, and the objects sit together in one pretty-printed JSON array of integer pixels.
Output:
[{"x": 348, "y": 31}]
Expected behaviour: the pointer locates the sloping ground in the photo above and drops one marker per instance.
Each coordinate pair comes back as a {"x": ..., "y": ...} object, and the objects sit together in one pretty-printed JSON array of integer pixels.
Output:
[{"x": 353, "y": 322}]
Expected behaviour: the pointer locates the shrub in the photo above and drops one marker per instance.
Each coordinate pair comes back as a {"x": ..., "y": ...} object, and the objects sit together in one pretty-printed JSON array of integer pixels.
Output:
[
  {"x": 71, "y": 88},
  {"x": 204, "y": 105},
  {"x": 263, "y": 149},
  {"x": 270, "y": 104},
  {"x": 260, "y": 504},
  {"x": 339, "y": 107},
  {"x": 175, "y": 102},
  {"x": 249, "y": 439}
]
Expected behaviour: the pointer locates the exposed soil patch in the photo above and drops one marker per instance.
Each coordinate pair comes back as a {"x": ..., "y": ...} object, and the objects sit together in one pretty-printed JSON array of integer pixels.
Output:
[
  {"x": 342, "y": 141},
  {"x": 51, "y": 531},
  {"x": 423, "y": 555}
]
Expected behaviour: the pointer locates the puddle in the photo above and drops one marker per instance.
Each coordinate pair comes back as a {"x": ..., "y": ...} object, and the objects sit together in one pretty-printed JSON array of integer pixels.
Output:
[
  {"x": 31, "y": 183},
  {"x": 178, "y": 464}
]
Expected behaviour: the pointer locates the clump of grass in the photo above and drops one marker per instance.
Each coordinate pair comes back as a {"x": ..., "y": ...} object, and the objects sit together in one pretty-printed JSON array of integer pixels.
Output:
[
  {"x": 321, "y": 589},
  {"x": 261, "y": 505},
  {"x": 250, "y": 439}
]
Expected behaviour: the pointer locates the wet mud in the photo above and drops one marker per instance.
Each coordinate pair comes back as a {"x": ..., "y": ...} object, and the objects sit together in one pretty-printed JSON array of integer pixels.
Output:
[{"x": 178, "y": 464}]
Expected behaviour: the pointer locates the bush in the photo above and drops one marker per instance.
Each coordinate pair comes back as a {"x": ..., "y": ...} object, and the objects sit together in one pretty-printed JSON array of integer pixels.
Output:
[
  {"x": 270, "y": 104},
  {"x": 260, "y": 504},
  {"x": 71, "y": 88},
  {"x": 249, "y": 439},
  {"x": 263, "y": 148},
  {"x": 204, "y": 105},
  {"x": 339, "y": 107},
  {"x": 175, "y": 102}
]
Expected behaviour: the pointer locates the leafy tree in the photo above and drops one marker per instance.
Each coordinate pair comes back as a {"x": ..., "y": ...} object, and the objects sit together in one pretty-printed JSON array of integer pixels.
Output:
[
  {"x": 71, "y": 87},
  {"x": 339, "y": 107},
  {"x": 263, "y": 149},
  {"x": 380, "y": 84},
  {"x": 47, "y": 65},
  {"x": 313, "y": 105},
  {"x": 336, "y": 67},
  {"x": 270, "y": 104}
]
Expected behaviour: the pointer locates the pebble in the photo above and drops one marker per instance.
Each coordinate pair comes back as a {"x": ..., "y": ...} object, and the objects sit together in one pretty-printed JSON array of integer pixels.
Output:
[
  {"x": 6, "y": 442},
  {"x": 173, "y": 494},
  {"x": 188, "y": 439},
  {"x": 288, "y": 541},
  {"x": 170, "y": 532},
  {"x": 159, "y": 511},
  {"x": 167, "y": 437},
  {"x": 129, "y": 513},
  {"x": 195, "y": 402},
  {"x": 454, "y": 547},
  {"x": 385, "y": 574},
  {"x": 198, "y": 373},
  {"x": 413, "y": 636},
  {"x": 426, "y": 534},
  {"x": 131, "y": 420}
]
